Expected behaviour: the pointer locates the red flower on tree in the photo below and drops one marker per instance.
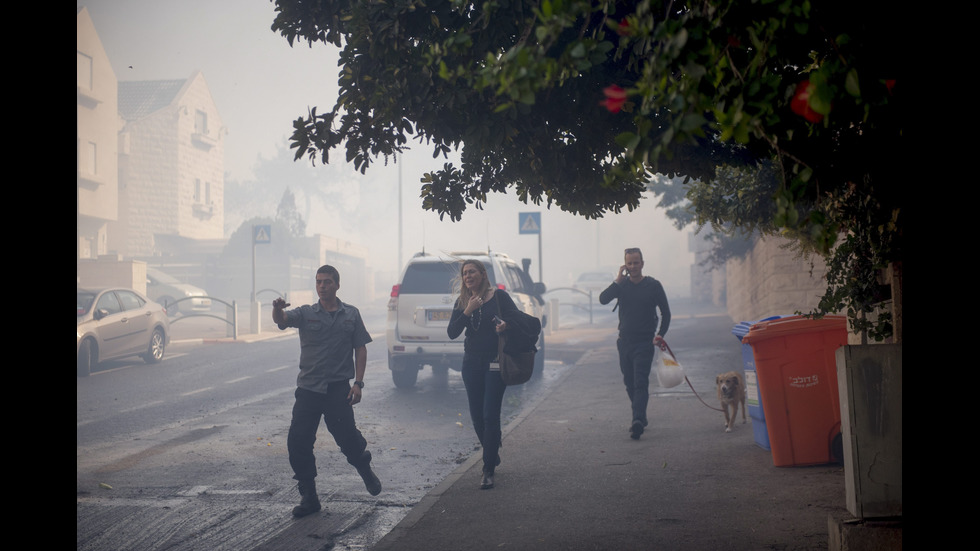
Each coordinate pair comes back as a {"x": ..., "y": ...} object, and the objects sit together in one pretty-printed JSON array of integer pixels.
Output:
[
  {"x": 615, "y": 98},
  {"x": 800, "y": 103},
  {"x": 623, "y": 28}
]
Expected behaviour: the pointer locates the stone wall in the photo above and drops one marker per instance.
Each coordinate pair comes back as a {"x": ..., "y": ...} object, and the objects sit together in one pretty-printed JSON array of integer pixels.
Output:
[
  {"x": 773, "y": 280},
  {"x": 111, "y": 271},
  {"x": 148, "y": 183}
]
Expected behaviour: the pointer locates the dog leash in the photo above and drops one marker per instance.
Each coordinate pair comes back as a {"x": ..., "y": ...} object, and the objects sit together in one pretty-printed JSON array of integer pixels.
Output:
[{"x": 665, "y": 348}]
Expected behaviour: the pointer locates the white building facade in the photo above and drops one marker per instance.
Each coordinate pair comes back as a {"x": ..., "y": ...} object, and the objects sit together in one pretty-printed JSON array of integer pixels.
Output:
[
  {"x": 171, "y": 166},
  {"x": 97, "y": 129}
]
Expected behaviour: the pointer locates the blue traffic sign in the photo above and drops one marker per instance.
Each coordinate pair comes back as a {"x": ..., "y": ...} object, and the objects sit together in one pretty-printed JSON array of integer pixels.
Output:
[
  {"x": 261, "y": 234},
  {"x": 529, "y": 222}
]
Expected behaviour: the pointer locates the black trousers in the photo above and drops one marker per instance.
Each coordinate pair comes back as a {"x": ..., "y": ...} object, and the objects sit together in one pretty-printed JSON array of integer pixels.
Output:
[
  {"x": 485, "y": 392},
  {"x": 338, "y": 415},
  {"x": 635, "y": 362}
]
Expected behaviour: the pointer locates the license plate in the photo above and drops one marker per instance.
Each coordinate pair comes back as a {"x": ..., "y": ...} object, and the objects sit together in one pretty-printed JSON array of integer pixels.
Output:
[{"x": 438, "y": 315}]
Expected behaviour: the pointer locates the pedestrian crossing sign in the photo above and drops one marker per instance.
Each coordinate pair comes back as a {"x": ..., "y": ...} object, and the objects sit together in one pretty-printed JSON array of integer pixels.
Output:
[
  {"x": 529, "y": 222},
  {"x": 261, "y": 234}
]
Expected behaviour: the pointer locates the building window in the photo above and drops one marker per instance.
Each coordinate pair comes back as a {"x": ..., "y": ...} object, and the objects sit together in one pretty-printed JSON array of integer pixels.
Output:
[
  {"x": 201, "y": 123},
  {"x": 91, "y": 165},
  {"x": 84, "y": 71},
  {"x": 202, "y": 137},
  {"x": 87, "y": 163},
  {"x": 202, "y": 207}
]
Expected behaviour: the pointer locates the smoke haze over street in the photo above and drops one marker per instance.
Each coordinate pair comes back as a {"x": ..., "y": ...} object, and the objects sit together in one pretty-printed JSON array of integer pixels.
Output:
[{"x": 260, "y": 85}]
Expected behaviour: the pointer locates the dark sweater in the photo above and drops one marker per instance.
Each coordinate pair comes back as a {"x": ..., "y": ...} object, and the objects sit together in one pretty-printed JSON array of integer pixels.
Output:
[
  {"x": 638, "y": 304},
  {"x": 481, "y": 331}
]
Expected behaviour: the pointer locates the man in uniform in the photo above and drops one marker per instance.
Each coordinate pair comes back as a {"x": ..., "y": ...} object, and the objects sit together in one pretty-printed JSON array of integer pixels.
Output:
[
  {"x": 332, "y": 351},
  {"x": 639, "y": 298}
]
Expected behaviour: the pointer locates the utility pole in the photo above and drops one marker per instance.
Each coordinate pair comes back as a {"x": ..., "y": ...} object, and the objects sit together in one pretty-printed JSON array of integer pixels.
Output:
[{"x": 398, "y": 269}]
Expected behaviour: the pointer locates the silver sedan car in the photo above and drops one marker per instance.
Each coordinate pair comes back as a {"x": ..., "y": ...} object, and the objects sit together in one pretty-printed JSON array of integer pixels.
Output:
[
  {"x": 118, "y": 322},
  {"x": 175, "y": 295}
]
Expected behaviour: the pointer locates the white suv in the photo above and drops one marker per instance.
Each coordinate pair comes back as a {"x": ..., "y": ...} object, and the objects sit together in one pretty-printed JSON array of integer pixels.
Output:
[{"x": 422, "y": 303}]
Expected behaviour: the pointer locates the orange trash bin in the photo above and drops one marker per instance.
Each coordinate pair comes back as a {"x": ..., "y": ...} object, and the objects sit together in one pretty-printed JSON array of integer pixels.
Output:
[{"x": 797, "y": 377}]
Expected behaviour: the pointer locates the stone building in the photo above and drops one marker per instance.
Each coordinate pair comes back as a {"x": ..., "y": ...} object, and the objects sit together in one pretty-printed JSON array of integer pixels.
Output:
[
  {"x": 96, "y": 130},
  {"x": 171, "y": 167}
]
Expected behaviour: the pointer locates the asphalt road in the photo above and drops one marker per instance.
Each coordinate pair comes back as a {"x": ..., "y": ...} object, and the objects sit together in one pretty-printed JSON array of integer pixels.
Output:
[{"x": 190, "y": 453}]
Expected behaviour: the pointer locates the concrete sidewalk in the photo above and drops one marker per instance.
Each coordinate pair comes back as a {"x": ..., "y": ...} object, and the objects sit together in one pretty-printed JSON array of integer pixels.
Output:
[{"x": 571, "y": 478}]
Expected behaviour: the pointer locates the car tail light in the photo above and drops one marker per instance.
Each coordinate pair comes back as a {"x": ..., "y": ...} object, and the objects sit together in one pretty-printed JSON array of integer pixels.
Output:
[
  {"x": 393, "y": 301},
  {"x": 501, "y": 286}
]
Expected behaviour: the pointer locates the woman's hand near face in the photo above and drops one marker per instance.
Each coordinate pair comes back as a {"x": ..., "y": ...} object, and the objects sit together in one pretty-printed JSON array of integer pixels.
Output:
[{"x": 474, "y": 303}]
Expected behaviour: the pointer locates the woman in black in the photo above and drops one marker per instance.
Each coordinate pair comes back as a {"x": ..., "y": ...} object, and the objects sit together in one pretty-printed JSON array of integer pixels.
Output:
[{"x": 479, "y": 310}]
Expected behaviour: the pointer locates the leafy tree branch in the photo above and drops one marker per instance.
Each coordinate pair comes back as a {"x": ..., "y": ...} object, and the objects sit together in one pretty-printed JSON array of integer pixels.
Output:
[{"x": 782, "y": 115}]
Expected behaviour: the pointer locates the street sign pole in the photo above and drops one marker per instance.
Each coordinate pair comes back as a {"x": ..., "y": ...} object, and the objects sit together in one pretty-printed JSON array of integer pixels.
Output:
[{"x": 260, "y": 234}]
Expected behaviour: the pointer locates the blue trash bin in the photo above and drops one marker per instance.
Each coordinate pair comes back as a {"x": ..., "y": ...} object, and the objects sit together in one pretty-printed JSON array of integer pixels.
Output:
[{"x": 753, "y": 398}]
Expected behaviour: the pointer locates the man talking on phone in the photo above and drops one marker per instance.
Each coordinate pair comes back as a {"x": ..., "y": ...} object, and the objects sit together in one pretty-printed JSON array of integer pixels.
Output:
[
  {"x": 333, "y": 350},
  {"x": 639, "y": 299}
]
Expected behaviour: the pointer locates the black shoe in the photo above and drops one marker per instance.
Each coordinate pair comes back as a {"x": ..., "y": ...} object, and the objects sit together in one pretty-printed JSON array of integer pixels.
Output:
[
  {"x": 371, "y": 481},
  {"x": 487, "y": 481},
  {"x": 636, "y": 429},
  {"x": 363, "y": 466},
  {"x": 310, "y": 502}
]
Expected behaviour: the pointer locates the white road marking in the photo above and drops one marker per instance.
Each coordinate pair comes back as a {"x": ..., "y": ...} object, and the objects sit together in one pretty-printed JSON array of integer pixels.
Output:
[
  {"x": 114, "y": 369},
  {"x": 142, "y": 406}
]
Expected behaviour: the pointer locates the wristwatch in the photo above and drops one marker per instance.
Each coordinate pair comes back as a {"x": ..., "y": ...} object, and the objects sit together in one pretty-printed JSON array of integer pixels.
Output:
[{"x": 360, "y": 384}]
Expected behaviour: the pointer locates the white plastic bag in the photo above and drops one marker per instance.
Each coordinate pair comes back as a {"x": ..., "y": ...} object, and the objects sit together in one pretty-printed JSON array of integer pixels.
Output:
[{"x": 669, "y": 370}]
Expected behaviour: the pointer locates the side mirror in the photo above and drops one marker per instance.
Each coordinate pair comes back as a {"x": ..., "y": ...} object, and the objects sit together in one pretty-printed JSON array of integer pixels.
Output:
[{"x": 539, "y": 290}]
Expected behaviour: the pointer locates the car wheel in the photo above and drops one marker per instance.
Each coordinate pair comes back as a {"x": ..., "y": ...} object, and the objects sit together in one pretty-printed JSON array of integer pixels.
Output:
[
  {"x": 86, "y": 359},
  {"x": 405, "y": 378},
  {"x": 170, "y": 305},
  {"x": 154, "y": 352},
  {"x": 403, "y": 373}
]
